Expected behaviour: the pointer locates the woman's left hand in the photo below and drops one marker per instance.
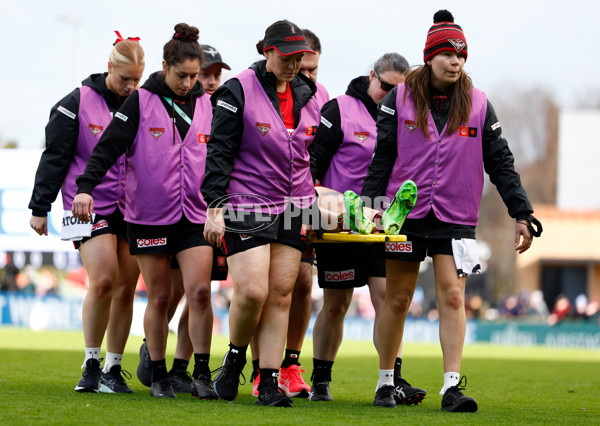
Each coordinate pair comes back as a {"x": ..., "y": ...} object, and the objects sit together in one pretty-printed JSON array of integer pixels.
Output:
[
  {"x": 83, "y": 207},
  {"x": 214, "y": 228},
  {"x": 523, "y": 237}
]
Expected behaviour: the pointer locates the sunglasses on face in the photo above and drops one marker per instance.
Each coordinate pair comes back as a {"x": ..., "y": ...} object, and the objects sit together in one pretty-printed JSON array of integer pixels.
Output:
[{"x": 386, "y": 87}]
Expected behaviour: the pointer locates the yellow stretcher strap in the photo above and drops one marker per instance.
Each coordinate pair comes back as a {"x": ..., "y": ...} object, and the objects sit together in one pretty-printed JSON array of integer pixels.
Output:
[{"x": 346, "y": 237}]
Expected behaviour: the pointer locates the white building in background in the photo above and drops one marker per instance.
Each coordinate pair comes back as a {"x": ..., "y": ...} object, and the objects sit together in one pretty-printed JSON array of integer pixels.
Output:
[
  {"x": 578, "y": 160},
  {"x": 566, "y": 259},
  {"x": 18, "y": 242}
]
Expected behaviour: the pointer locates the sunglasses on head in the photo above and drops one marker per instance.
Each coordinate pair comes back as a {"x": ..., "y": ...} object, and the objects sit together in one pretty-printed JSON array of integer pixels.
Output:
[{"x": 386, "y": 87}]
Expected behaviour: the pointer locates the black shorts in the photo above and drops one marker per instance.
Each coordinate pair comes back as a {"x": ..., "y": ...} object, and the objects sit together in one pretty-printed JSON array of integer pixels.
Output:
[
  {"x": 219, "y": 266},
  {"x": 350, "y": 265},
  {"x": 308, "y": 256},
  {"x": 287, "y": 229},
  {"x": 113, "y": 223},
  {"x": 414, "y": 249},
  {"x": 165, "y": 239}
]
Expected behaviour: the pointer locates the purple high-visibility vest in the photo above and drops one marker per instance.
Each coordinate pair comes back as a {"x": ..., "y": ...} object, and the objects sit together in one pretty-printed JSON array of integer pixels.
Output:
[
  {"x": 94, "y": 116},
  {"x": 164, "y": 173},
  {"x": 349, "y": 164},
  {"x": 322, "y": 95},
  {"x": 270, "y": 162},
  {"x": 448, "y": 169}
]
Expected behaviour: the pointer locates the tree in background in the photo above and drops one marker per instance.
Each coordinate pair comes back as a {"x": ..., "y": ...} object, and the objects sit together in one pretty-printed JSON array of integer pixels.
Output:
[{"x": 529, "y": 120}]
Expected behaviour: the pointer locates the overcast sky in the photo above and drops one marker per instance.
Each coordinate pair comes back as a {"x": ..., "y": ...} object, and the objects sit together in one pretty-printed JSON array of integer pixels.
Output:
[{"x": 49, "y": 46}]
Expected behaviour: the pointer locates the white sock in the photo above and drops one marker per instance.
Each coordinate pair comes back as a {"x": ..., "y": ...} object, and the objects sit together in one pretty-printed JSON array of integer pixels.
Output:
[
  {"x": 111, "y": 359},
  {"x": 451, "y": 378},
  {"x": 91, "y": 353},
  {"x": 386, "y": 377}
]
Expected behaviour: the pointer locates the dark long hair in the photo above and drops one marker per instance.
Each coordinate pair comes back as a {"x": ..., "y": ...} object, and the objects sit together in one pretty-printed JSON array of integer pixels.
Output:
[{"x": 419, "y": 82}]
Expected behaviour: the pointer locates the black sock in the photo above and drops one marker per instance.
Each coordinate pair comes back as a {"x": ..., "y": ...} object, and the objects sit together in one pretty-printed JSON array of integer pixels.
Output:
[
  {"x": 159, "y": 370},
  {"x": 201, "y": 367},
  {"x": 255, "y": 364},
  {"x": 321, "y": 370},
  {"x": 398, "y": 368},
  {"x": 269, "y": 378},
  {"x": 291, "y": 358},
  {"x": 179, "y": 364},
  {"x": 237, "y": 351}
]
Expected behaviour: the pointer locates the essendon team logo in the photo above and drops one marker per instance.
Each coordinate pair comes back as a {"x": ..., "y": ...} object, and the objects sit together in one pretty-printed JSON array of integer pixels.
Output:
[
  {"x": 361, "y": 136},
  {"x": 157, "y": 132},
  {"x": 470, "y": 132},
  {"x": 457, "y": 43},
  {"x": 410, "y": 125},
  {"x": 203, "y": 138},
  {"x": 221, "y": 261},
  {"x": 263, "y": 128},
  {"x": 95, "y": 129},
  {"x": 311, "y": 130}
]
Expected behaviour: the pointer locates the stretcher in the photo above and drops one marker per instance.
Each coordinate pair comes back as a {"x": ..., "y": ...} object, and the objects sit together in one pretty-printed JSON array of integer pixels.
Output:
[{"x": 351, "y": 237}]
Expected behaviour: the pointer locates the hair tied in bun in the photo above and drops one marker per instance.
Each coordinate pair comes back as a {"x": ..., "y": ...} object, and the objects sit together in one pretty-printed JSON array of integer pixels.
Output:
[{"x": 184, "y": 37}]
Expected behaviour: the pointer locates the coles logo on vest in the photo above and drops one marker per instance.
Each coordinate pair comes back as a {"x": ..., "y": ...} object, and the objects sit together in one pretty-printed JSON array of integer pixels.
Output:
[
  {"x": 361, "y": 136},
  {"x": 311, "y": 130},
  {"x": 151, "y": 242},
  {"x": 405, "y": 247},
  {"x": 339, "y": 276},
  {"x": 157, "y": 132},
  {"x": 410, "y": 125},
  {"x": 263, "y": 128},
  {"x": 203, "y": 138},
  {"x": 95, "y": 129},
  {"x": 101, "y": 224},
  {"x": 470, "y": 132}
]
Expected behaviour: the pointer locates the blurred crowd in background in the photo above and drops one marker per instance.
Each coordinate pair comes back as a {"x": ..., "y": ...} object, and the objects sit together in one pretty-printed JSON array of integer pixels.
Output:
[{"x": 527, "y": 306}]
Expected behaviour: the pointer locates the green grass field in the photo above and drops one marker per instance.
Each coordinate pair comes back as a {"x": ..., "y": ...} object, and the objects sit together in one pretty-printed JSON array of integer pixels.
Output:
[{"x": 38, "y": 371}]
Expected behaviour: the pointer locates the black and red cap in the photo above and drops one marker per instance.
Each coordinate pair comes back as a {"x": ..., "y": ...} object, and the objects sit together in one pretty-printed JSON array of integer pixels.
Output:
[
  {"x": 287, "y": 44},
  {"x": 443, "y": 36}
]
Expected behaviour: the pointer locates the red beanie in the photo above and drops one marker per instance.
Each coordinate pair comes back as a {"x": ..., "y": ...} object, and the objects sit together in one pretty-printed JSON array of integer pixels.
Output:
[{"x": 444, "y": 35}]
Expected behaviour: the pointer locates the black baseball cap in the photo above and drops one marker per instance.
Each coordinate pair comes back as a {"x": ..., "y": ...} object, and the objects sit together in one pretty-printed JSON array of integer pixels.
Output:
[
  {"x": 212, "y": 56},
  {"x": 287, "y": 44}
]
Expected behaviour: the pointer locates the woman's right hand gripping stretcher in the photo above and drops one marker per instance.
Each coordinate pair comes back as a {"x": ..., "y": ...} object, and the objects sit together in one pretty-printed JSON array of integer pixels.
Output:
[{"x": 83, "y": 207}]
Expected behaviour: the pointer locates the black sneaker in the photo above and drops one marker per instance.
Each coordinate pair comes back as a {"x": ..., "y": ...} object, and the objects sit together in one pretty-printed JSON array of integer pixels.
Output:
[
  {"x": 319, "y": 391},
  {"x": 114, "y": 381},
  {"x": 144, "y": 369},
  {"x": 162, "y": 389},
  {"x": 455, "y": 401},
  {"x": 228, "y": 378},
  {"x": 405, "y": 394},
  {"x": 90, "y": 379},
  {"x": 273, "y": 397},
  {"x": 202, "y": 388},
  {"x": 181, "y": 380},
  {"x": 385, "y": 396}
]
